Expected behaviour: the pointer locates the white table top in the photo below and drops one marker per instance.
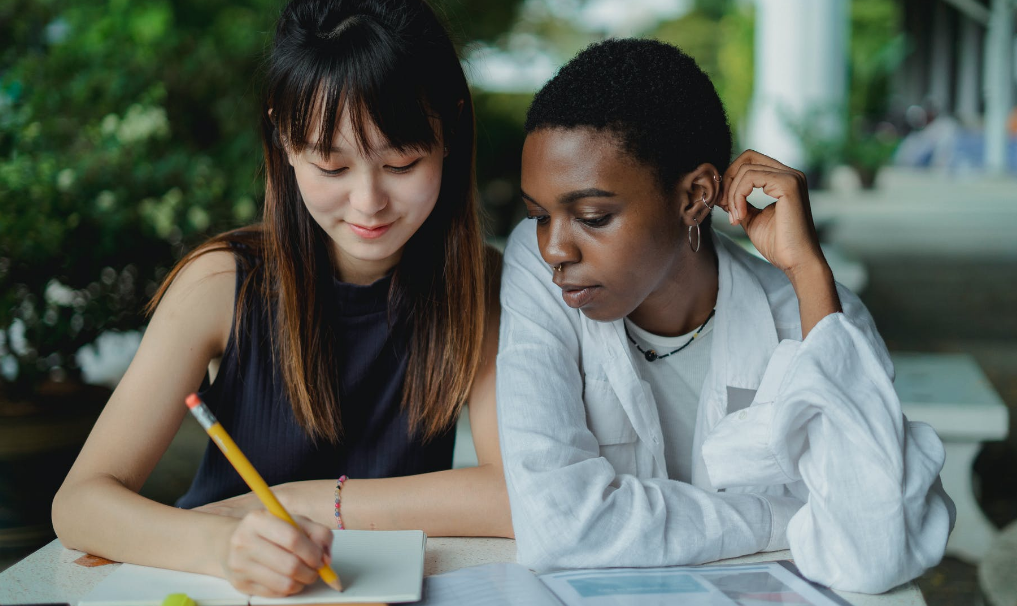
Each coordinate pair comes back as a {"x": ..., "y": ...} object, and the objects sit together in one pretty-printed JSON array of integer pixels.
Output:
[
  {"x": 951, "y": 393},
  {"x": 50, "y": 574}
]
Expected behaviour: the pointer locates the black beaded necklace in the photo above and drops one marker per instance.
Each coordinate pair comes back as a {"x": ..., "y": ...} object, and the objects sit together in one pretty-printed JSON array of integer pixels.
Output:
[{"x": 652, "y": 356}]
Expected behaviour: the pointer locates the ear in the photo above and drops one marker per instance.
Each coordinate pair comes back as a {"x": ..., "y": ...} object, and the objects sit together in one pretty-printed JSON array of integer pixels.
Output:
[{"x": 698, "y": 191}]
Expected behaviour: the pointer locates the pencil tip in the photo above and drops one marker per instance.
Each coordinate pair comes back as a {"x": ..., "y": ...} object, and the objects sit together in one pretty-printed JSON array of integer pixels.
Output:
[{"x": 336, "y": 584}]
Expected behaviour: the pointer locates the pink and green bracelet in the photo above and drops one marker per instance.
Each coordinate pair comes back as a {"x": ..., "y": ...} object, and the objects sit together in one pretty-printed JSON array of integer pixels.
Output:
[{"x": 338, "y": 501}]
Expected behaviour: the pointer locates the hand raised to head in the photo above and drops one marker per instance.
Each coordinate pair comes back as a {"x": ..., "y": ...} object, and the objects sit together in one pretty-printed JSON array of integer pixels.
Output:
[{"x": 783, "y": 232}]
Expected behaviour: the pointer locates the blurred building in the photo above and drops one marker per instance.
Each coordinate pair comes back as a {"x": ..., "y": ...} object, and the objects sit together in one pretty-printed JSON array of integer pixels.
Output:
[{"x": 959, "y": 62}]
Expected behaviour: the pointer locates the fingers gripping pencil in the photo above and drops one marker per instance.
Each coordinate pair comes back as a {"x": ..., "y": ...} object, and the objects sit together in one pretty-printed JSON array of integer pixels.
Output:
[{"x": 249, "y": 474}]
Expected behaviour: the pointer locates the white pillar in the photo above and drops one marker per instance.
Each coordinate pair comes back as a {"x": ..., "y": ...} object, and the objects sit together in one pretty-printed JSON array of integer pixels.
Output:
[
  {"x": 968, "y": 92},
  {"x": 999, "y": 81},
  {"x": 941, "y": 65},
  {"x": 800, "y": 72}
]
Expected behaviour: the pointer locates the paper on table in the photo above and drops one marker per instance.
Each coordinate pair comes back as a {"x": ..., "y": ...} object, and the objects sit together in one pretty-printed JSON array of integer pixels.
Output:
[
  {"x": 487, "y": 585},
  {"x": 734, "y": 585},
  {"x": 375, "y": 566}
]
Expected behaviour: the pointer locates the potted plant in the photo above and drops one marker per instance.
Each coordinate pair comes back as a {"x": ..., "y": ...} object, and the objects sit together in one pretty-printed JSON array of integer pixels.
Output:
[
  {"x": 819, "y": 130},
  {"x": 867, "y": 149}
]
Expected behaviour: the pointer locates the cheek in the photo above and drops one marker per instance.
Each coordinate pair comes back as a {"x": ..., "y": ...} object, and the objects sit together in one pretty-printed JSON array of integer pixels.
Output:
[
  {"x": 319, "y": 195},
  {"x": 418, "y": 194},
  {"x": 626, "y": 254},
  {"x": 632, "y": 266}
]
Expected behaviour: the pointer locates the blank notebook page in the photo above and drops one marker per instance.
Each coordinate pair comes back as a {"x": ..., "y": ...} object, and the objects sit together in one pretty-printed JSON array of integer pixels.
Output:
[{"x": 374, "y": 566}]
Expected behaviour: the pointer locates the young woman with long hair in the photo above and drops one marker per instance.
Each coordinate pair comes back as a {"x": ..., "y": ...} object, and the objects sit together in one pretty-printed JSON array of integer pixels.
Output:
[
  {"x": 686, "y": 401},
  {"x": 340, "y": 337}
]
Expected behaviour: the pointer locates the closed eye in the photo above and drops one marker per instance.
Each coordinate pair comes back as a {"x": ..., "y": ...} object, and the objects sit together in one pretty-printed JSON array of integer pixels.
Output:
[
  {"x": 540, "y": 219},
  {"x": 403, "y": 169},
  {"x": 331, "y": 172},
  {"x": 596, "y": 221}
]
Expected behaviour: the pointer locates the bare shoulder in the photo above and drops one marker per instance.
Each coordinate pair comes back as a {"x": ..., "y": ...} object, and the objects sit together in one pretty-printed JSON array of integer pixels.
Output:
[
  {"x": 211, "y": 269},
  {"x": 199, "y": 301}
]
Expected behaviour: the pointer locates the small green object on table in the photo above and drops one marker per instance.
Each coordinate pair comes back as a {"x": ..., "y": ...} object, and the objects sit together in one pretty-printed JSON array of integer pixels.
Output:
[{"x": 178, "y": 599}]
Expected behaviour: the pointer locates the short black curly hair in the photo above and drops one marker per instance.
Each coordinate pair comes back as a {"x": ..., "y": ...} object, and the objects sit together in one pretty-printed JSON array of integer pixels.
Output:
[{"x": 652, "y": 96}]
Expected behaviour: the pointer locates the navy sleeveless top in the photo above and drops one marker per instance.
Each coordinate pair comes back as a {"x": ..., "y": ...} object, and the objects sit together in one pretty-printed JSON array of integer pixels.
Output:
[{"x": 249, "y": 398}]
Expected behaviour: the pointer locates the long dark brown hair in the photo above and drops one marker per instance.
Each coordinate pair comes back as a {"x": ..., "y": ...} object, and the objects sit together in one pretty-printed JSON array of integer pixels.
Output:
[{"x": 391, "y": 64}]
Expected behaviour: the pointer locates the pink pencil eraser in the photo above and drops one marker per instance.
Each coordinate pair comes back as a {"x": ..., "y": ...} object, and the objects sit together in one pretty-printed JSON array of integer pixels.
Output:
[{"x": 193, "y": 400}]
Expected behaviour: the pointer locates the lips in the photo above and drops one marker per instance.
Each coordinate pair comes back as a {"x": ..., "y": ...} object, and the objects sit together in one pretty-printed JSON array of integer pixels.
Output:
[
  {"x": 578, "y": 295},
  {"x": 369, "y": 232}
]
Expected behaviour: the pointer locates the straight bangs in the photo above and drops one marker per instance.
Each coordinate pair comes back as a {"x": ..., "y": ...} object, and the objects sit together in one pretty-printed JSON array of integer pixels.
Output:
[
  {"x": 361, "y": 72},
  {"x": 389, "y": 67}
]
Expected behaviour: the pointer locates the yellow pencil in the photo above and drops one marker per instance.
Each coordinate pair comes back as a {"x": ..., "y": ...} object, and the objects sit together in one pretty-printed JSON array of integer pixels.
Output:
[{"x": 249, "y": 474}]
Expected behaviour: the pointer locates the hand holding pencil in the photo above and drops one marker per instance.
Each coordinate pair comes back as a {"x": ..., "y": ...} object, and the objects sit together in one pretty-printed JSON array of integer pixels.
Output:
[{"x": 282, "y": 561}]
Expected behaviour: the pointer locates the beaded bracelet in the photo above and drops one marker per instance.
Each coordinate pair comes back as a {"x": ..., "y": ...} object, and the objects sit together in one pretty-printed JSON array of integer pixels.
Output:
[{"x": 338, "y": 491}]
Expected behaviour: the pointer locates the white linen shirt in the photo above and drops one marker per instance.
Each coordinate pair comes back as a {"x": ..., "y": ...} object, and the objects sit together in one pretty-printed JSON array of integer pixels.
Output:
[{"x": 798, "y": 444}]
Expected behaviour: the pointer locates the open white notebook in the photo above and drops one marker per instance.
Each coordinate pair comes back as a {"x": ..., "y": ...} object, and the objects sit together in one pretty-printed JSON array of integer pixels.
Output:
[{"x": 374, "y": 566}]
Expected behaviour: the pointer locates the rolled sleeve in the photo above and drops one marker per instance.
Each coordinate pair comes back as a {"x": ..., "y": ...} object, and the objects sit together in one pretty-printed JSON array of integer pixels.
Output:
[{"x": 875, "y": 515}]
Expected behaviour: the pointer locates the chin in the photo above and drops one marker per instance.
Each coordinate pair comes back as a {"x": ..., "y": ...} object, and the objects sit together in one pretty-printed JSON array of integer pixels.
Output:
[
  {"x": 369, "y": 251},
  {"x": 599, "y": 314}
]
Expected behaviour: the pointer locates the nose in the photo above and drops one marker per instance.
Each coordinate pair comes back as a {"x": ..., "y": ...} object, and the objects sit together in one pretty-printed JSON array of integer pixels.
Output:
[
  {"x": 557, "y": 244},
  {"x": 367, "y": 196}
]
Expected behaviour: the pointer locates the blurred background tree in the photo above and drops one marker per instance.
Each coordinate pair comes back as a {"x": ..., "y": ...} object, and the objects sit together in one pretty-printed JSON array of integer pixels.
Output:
[
  {"x": 128, "y": 130},
  {"x": 128, "y": 133}
]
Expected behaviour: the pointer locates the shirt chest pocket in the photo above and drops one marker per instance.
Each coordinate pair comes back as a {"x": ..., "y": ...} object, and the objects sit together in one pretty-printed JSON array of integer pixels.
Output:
[{"x": 609, "y": 423}]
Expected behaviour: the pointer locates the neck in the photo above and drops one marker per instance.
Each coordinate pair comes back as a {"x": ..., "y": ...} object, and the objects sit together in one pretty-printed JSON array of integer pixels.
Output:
[
  {"x": 685, "y": 298},
  {"x": 359, "y": 271}
]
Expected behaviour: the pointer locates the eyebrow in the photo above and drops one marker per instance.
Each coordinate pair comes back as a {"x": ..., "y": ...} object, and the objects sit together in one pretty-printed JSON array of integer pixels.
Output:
[{"x": 572, "y": 196}]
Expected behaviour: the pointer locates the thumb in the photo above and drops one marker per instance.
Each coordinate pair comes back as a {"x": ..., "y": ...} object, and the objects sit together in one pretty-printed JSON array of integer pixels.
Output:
[{"x": 751, "y": 213}]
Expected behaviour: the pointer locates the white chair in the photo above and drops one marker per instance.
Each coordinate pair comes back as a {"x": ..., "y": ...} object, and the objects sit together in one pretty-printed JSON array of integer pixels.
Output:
[{"x": 951, "y": 393}]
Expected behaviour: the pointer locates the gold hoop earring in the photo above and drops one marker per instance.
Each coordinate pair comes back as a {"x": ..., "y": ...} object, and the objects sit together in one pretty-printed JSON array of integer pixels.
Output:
[{"x": 699, "y": 236}]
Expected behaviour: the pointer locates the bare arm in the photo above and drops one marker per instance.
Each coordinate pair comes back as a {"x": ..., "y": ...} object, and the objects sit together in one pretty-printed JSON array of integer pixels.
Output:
[
  {"x": 817, "y": 293},
  {"x": 98, "y": 508}
]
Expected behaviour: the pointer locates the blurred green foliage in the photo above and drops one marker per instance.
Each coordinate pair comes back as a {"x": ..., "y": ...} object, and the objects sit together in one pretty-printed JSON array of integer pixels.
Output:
[
  {"x": 878, "y": 46},
  {"x": 127, "y": 130},
  {"x": 862, "y": 137},
  {"x": 720, "y": 37},
  {"x": 128, "y": 133},
  {"x": 500, "y": 136}
]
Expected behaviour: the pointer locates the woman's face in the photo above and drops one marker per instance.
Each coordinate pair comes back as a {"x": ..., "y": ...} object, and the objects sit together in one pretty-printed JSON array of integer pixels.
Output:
[
  {"x": 602, "y": 216},
  {"x": 369, "y": 204}
]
